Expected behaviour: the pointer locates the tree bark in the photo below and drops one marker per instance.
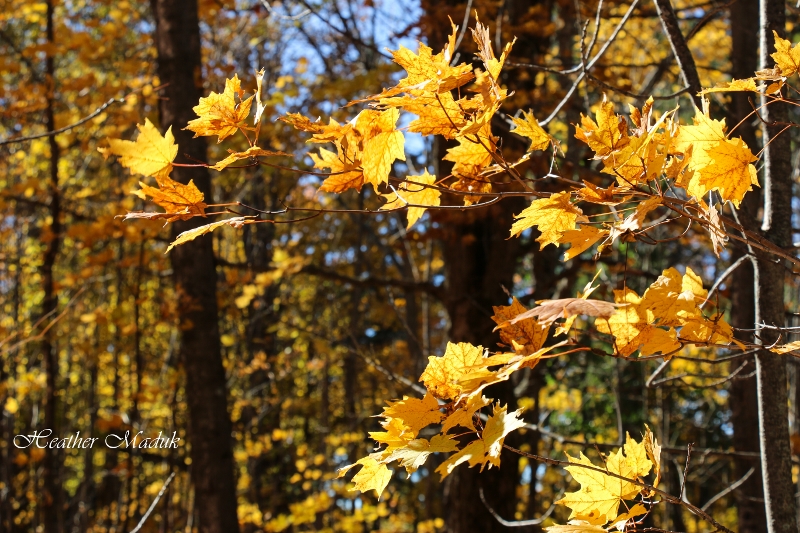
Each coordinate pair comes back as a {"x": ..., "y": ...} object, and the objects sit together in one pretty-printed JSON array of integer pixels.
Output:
[
  {"x": 51, "y": 512},
  {"x": 480, "y": 259},
  {"x": 179, "y": 67},
  {"x": 744, "y": 392},
  {"x": 776, "y": 457}
]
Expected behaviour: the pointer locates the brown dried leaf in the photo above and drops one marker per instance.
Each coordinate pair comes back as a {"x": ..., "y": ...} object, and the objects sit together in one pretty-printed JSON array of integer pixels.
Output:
[{"x": 549, "y": 311}]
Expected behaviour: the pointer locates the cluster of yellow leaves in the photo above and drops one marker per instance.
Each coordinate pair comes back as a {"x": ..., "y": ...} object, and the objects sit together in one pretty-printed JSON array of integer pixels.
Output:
[
  {"x": 367, "y": 146},
  {"x": 668, "y": 316},
  {"x": 220, "y": 114},
  {"x": 699, "y": 158},
  {"x": 152, "y": 154},
  {"x": 595, "y": 507},
  {"x": 649, "y": 323},
  {"x": 455, "y": 384}
]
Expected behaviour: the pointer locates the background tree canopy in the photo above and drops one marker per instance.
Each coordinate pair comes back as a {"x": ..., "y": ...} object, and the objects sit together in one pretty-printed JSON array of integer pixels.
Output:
[{"x": 550, "y": 239}]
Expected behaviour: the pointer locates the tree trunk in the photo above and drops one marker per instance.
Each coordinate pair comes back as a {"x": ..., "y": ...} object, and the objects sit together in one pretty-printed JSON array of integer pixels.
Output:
[
  {"x": 480, "y": 259},
  {"x": 743, "y": 392},
  {"x": 179, "y": 67},
  {"x": 776, "y": 458},
  {"x": 51, "y": 515}
]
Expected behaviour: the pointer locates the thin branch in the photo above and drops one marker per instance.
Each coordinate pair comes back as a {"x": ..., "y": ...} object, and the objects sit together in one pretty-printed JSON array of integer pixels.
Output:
[
  {"x": 519, "y": 523},
  {"x": 461, "y": 33},
  {"x": 686, "y": 470},
  {"x": 722, "y": 277},
  {"x": 425, "y": 287},
  {"x": 153, "y": 505},
  {"x": 84, "y": 120},
  {"x": 729, "y": 489},
  {"x": 683, "y": 55},
  {"x": 586, "y": 67}
]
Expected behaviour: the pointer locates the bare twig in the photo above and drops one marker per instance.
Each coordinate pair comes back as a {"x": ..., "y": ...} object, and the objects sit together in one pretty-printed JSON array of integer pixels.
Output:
[
  {"x": 65, "y": 128},
  {"x": 686, "y": 469},
  {"x": 729, "y": 489},
  {"x": 153, "y": 505},
  {"x": 683, "y": 55},
  {"x": 722, "y": 277},
  {"x": 519, "y": 523},
  {"x": 461, "y": 33},
  {"x": 585, "y": 68}
]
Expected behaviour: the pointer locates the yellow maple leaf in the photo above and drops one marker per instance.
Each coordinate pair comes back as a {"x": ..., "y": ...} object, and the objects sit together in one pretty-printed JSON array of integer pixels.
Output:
[
  {"x": 192, "y": 234},
  {"x": 597, "y": 502},
  {"x": 344, "y": 174},
  {"x": 637, "y": 162},
  {"x": 527, "y": 334},
  {"x": 637, "y": 463},
  {"x": 581, "y": 239},
  {"x": 416, "y": 414},
  {"x": 474, "y": 152},
  {"x": 439, "y": 114},
  {"x": 381, "y": 144},
  {"x": 416, "y": 452},
  {"x": 481, "y": 36},
  {"x": 633, "y": 330},
  {"x": 786, "y": 348},
  {"x": 786, "y": 56},
  {"x": 463, "y": 415},
  {"x": 183, "y": 201},
  {"x": 714, "y": 330},
  {"x": 608, "y": 134},
  {"x": 429, "y": 72},
  {"x": 747, "y": 84},
  {"x": 379, "y": 154},
  {"x": 323, "y": 133},
  {"x": 717, "y": 163},
  {"x": 553, "y": 216},
  {"x": 653, "y": 449},
  {"x": 635, "y": 220},
  {"x": 486, "y": 449},
  {"x": 597, "y": 195},
  {"x": 252, "y": 152},
  {"x": 575, "y": 526},
  {"x": 529, "y": 127},
  {"x": 149, "y": 155},
  {"x": 411, "y": 192},
  {"x": 219, "y": 114},
  {"x": 671, "y": 301},
  {"x": 260, "y": 107},
  {"x": 442, "y": 373},
  {"x": 397, "y": 434},
  {"x": 372, "y": 476},
  {"x": 619, "y": 522}
]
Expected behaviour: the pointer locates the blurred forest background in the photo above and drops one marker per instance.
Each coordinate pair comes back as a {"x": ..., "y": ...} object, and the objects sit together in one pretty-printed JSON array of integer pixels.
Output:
[{"x": 323, "y": 320}]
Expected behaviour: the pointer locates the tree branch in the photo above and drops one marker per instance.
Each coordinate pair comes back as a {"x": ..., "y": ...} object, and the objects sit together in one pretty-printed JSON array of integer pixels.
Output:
[
  {"x": 426, "y": 287},
  {"x": 680, "y": 49}
]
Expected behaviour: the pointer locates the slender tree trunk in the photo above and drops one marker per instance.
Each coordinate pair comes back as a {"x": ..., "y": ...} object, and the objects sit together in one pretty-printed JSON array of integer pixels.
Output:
[
  {"x": 744, "y": 392},
  {"x": 480, "y": 259},
  {"x": 776, "y": 457},
  {"x": 51, "y": 498},
  {"x": 179, "y": 67}
]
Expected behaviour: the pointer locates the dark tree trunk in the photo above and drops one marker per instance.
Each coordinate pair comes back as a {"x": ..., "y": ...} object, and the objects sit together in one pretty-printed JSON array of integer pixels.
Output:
[
  {"x": 480, "y": 259},
  {"x": 776, "y": 457},
  {"x": 743, "y": 392},
  {"x": 179, "y": 67},
  {"x": 51, "y": 515}
]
